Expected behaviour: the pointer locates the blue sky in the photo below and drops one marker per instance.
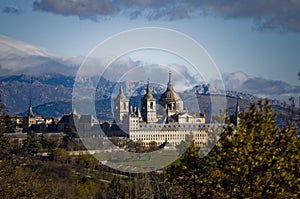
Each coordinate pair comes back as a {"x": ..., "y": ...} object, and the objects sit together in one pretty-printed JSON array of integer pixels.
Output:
[{"x": 260, "y": 38}]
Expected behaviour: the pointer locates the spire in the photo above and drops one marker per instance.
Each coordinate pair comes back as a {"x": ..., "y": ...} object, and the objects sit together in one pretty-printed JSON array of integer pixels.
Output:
[
  {"x": 74, "y": 112},
  {"x": 237, "y": 108},
  {"x": 148, "y": 94},
  {"x": 30, "y": 112},
  {"x": 148, "y": 87},
  {"x": 170, "y": 84},
  {"x": 121, "y": 90},
  {"x": 121, "y": 94}
]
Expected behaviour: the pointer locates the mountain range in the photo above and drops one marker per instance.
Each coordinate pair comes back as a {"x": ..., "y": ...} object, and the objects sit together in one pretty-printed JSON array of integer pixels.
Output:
[{"x": 28, "y": 71}]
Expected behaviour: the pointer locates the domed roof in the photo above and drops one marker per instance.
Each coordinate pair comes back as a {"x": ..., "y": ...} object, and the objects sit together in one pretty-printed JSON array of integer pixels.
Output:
[
  {"x": 170, "y": 94},
  {"x": 148, "y": 94}
]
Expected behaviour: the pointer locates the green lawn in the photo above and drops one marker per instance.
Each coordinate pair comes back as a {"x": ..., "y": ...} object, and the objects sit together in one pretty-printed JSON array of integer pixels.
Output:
[{"x": 155, "y": 160}]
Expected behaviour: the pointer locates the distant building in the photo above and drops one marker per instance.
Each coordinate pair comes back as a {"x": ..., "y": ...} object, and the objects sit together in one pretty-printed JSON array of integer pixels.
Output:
[
  {"x": 169, "y": 122},
  {"x": 30, "y": 120},
  {"x": 37, "y": 123},
  {"x": 75, "y": 120},
  {"x": 164, "y": 121},
  {"x": 87, "y": 122},
  {"x": 18, "y": 121},
  {"x": 68, "y": 121}
]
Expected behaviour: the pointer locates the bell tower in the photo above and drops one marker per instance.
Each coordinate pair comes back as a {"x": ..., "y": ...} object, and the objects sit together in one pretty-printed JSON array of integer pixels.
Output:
[
  {"x": 148, "y": 102},
  {"x": 121, "y": 106}
]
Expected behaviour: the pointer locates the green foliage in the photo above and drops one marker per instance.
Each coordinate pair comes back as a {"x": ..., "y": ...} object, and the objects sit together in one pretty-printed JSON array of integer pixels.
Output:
[
  {"x": 184, "y": 144},
  {"x": 221, "y": 118},
  {"x": 153, "y": 146},
  {"x": 48, "y": 144},
  {"x": 188, "y": 170},
  {"x": 117, "y": 188},
  {"x": 59, "y": 155},
  {"x": 5, "y": 142},
  {"x": 181, "y": 148},
  {"x": 5, "y": 146},
  {"x": 32, "y": 145},
  {"x": 2, "y": 116},
  {"x": 9, "y": 125},
  {"x": 71, "y": 133},
  {"x": 254, "y": 160},
  {"x": 257, "y": 160}
]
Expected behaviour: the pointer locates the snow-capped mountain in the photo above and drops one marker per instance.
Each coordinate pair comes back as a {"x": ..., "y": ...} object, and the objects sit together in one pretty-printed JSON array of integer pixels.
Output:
[
  {"x": 12, "y": 48},
  {"x": 18, "y": 57},
  {"x": 259, "y": 86}
]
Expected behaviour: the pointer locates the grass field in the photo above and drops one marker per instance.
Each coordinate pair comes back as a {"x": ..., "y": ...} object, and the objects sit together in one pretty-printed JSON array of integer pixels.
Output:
[{"x": 124, "y": 161}]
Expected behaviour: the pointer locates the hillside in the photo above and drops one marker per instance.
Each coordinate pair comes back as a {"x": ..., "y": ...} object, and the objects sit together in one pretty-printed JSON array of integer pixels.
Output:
[
  {"x": 103, "y": 107},
  {"x": 17, "y": 90},
  {"x": 51, "y": 95}
]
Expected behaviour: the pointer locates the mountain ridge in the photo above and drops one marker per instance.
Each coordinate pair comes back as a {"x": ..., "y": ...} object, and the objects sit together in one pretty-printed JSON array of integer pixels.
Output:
[{"x": 28, "y": 71}]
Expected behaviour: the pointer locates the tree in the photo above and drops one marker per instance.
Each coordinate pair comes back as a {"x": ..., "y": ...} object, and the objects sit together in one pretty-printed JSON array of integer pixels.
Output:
[
  {"x": 184, "y": 177},
  {"x": 153, "y": 146},
  {"x": 6, "y": 124},
  {"x": 2, "y": 116},
  {"x": 184, "y": 144},
  {"x": 182, "y": 147},
  {"x": 5, "y": 142},
  {"x": 117, "y": 190},
  {"x": 32, "y": 144},
  {"x": 48, "y": 144},
  {"x": 221, "y": 118},
  {"x": 6, "y": 145},
  {"x": 257, "y": 160}
]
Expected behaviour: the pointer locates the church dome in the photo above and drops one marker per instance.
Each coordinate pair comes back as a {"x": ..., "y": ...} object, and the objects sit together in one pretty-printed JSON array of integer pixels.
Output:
[{"x": 170, "y": 94}]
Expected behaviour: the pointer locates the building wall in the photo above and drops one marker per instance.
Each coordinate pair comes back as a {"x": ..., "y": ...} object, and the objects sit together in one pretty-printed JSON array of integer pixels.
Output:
[
  {"x": 173, "y": 137},
  {"x": 172, "y": 133}
]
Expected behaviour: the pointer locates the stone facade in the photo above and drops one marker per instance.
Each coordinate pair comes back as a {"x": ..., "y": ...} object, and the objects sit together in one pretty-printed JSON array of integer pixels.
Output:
[{"x": 169, "y": 122}]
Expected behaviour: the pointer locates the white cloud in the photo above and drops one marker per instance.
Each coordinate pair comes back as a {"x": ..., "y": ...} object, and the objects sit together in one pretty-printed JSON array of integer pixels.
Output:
[{"x": 261, "y": 87}]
